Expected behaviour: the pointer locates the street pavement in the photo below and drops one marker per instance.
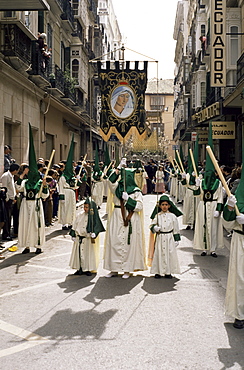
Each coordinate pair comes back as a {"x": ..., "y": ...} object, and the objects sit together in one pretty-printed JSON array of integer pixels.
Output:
[{"x": 51, "y": 319}]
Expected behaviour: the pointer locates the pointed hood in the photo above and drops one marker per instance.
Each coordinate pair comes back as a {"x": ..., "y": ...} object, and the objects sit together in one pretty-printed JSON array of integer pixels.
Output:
[
  {"x": 209, "y": 180},
  {"x": 129, "y": 182},
  {"x": 190, "y": 168},
  {"x": 68, "y": 172},
  {"x": 34, "y": 180},
  {"x": 239, "y": 194},
  {"x": 195, "y": 153},
  {"x": 106, "y": 156},
  {"x": 97, "y": 173}
]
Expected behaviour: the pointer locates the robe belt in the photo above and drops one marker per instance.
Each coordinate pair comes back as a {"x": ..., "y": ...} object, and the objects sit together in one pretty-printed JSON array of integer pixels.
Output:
[
  {"x": 212, "y": 200},
  {"x": 117, "y": 206},
  {"x": 165, "y": 232},
  {"x": 239, "y": 232}
]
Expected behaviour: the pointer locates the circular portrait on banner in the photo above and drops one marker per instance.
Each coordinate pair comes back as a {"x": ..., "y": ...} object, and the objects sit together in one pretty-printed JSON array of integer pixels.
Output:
[{"x": 123, "y": 101}]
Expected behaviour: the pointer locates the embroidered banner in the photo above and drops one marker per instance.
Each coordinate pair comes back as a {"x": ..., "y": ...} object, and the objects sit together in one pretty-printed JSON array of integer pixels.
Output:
[{"x": 122, "y": 100}]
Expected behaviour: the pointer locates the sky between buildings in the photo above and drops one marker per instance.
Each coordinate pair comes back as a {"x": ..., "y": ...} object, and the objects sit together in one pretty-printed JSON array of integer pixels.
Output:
[{"x": 147, "y": 27}]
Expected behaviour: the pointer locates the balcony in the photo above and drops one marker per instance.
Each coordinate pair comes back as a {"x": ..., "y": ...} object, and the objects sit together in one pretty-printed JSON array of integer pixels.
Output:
[
  {"x": 68, "y": 16},
  {"x": 16, "y": 47},
  {"x": 24, "y": 5},
  {"x": 240, "y": 69},
  {"x": 39, "y": 68},
  {"x": 213, "y": 96},
  {"x": 56, "y": 79}
]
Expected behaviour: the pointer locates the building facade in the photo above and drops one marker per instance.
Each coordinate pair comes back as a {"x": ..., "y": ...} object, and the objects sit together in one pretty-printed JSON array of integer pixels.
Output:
[
  {"x": 209, "y": 78},
  {"x": 159, "y": 104},
  {"x": 48, "y": 78}
]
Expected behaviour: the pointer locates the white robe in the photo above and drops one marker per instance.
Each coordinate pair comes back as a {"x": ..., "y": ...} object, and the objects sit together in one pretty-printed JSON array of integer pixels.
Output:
[
  {"x": 234, "y": 299},
  {"x": 120, "y": 256},
  {"x": 85, "y": 254},
  {"x": 29, "y": 233},
  {"x": 189, "y": 204},
  {"x": 66, "y": 209},
  {"x": 212, "y": 228},
  {"x": 97, "y": 192},
  {"x": 165, "y": 259}
]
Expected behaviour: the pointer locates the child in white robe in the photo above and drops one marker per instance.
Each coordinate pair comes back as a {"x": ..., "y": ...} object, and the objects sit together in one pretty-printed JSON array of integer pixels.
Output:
[
  {"x": 85, "y": 234},
  {"x": 162, "y": 256}
]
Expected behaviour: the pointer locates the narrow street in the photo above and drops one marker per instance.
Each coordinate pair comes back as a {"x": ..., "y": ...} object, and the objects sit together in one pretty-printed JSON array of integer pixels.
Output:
[{"x": 51, "y": 319}]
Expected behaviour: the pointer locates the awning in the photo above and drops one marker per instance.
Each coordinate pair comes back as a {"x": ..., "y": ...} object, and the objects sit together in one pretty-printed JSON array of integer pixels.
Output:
[{"x": 24, "y": 5}]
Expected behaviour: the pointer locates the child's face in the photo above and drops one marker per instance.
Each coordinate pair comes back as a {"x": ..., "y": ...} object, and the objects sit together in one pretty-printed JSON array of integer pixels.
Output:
[
  {"x": 86, "y": 208},
  {"x": 164, "y": 206}
]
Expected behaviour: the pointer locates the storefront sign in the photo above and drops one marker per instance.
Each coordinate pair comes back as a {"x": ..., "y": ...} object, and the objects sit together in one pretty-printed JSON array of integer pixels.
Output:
[
  {"x": 217, "y": 41},
  {"x": 223, "y": 130},
  {"x": 207, "y": 113},
  {"x": 220, "y": 130}
]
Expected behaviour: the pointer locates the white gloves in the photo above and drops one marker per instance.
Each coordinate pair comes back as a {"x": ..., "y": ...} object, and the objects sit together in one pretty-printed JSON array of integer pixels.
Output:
[
  {"x": 193, "y": 174},
  {"x": 176, "y": 244},
  {"x": 62, "y": 201},
  {"x": 240, "y": 219},
  {"x": 73, "y": 238},
  {"x": 231, "y": 201},
  {"x": 216, "y": 214},
  {"x": 198, "y": 181},
  {"x": 78, "y": 177},
  {"x": 93, "y": 235},
  {"x": 125, "y": 195},
  {"x": 183, "y": 175},
  {"x": 122, "y": 163},
  {"x": 156, "y": 228}
]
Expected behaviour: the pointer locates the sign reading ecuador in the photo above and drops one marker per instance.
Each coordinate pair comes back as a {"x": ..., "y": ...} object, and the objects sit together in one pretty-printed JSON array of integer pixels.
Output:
[{"x": 218, "y": 57}]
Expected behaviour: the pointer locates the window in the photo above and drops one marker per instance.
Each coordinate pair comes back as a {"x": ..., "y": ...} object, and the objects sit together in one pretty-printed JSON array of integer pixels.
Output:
[
  {"x": 233, "y": 45},
  {"x": 75, "y": 52},
  {"x": 49, "y": 36},
  {"x": 9, "y": 14},
  {"x": 75, "y": 69},
  {"x": 156, "y": 102},
  {"x": 75, "y": 6},
  {"x": 203, "y": 30},
  {"x": 203, "y": 93},
  {"x": 193, "y": 96}
]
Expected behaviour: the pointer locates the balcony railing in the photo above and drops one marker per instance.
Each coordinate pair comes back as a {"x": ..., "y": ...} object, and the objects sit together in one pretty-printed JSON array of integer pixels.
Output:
[
  {"x": 68, "y": 14},
  {"x": 15, "y": 43},
  {"x": 240, "y": 69},
  {"x": 39, "y": 65},
  {"x": 213, "y": 96}
]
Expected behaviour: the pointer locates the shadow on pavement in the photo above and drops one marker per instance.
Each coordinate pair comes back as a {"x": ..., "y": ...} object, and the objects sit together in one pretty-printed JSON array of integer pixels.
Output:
[
  {"x": 158, "y": 286},
  {"x": 73, "y": 283},
  {"x": 233, "y": 355},
  {"x": 110, "y": 288},
  {"x": 19, "y": 260},
  {"x": 57, "y": 233},
  {"x": 66, "y": 324}
]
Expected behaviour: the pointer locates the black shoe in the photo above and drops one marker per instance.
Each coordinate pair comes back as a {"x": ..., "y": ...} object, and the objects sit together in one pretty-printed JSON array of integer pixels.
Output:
[
  {"x": 79, "y": 272},
  {"x": 38, "y": 251},
  {"x": 88, "y": 273},
  {"x": 26, "y": 250},
  {"x": 203, "y": 253},
  {"x": 70, "y": 227},
  {"x": 188, "y": 227},
  {"x": 168, "y": 276},
  {"x": 157, "y": 276},
  {"x": 65, "y": 228},
  {"x": 7, "y": 239},
  {"x": 213, "y": 254},
  {"x": 238, "y": 324}
]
